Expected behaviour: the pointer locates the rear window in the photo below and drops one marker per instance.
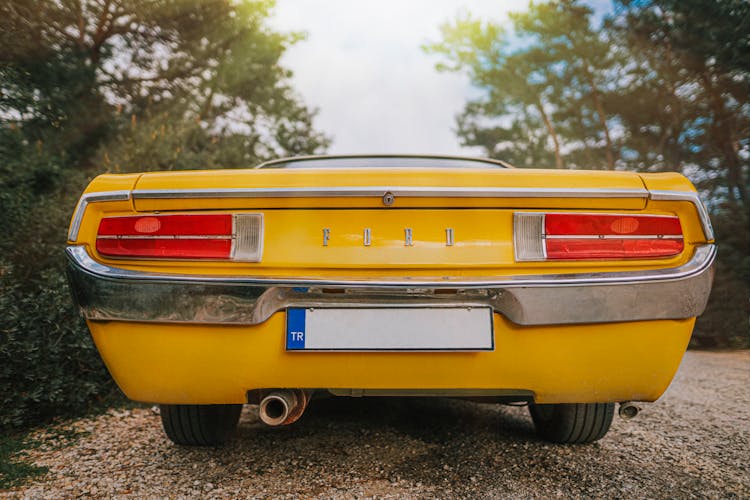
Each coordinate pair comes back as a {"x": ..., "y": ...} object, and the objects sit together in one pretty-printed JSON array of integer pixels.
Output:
[{"x": 353, "y": 162}]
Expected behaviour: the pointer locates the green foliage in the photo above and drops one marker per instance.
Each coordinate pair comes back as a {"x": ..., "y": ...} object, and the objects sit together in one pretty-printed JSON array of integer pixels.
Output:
[
  {"x": 726, "y": 322},
  {"x": 543, "y": 91},
  {"x": 48, "y": 364},
  {"x": 79, "y": 77},
  {"x": 128, "y": 85}
]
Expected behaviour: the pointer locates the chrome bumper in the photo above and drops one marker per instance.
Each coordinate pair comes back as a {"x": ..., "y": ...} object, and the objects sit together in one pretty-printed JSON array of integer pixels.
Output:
[{"x": 106, "y": 293}]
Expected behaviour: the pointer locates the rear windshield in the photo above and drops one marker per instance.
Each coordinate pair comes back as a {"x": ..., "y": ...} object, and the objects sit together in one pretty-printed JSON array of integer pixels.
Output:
[{"x": 383, "y": 162}]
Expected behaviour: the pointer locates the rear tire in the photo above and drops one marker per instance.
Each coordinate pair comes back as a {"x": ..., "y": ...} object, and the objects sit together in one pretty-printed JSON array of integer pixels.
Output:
[
  {"x": 572, "y": 422},
  {"x": 200, "y": 425}
]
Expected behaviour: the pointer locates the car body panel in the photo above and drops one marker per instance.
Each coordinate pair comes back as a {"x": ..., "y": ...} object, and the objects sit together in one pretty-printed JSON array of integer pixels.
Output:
[{"x": 203, "y": 364}]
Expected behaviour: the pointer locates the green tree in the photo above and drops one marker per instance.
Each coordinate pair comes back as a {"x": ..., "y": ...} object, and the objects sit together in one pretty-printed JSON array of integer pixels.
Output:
[
  {"x": 88, "y": 69},
  {"x": 687, "y": 108},
  {"x": 505, "y": 121},
  {"x": 544, "y": 84},
  {"x": 579, "y": 60},
  {"x": 694, "y": 67},
  {"x": 115, "y": 85}
]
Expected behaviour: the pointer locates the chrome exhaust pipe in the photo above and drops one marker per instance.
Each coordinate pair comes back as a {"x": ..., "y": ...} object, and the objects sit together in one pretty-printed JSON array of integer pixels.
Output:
[
  {"x": 628, "y": 410},
  {"x": 283, "y": 407}
]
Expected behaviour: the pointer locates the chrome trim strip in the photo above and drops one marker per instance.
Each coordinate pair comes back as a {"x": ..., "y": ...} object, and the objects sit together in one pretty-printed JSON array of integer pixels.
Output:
[
  {"x": 398, "y": 191},
  {"x": 611, "y": 237},
  {"x": 702, "y": 258},
  {"x": 167, "y": 237},
  {"x": 693, "y": 198},
  {"x": 75, "y": 225},
  {"x": 105, "y": 293}
]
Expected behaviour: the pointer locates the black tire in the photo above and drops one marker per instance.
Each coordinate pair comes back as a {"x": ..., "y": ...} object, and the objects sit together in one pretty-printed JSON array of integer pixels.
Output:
[
  {"x": 572, "y": 422},
  {"x": 200, "y": 425}
]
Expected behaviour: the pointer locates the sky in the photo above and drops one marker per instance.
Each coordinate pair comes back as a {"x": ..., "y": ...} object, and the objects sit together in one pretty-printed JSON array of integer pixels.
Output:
[{"x": 362, "y": 66}]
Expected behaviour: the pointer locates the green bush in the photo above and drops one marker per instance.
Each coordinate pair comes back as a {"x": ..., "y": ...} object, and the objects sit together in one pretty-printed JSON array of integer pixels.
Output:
[{"x": 48, "y": 363}]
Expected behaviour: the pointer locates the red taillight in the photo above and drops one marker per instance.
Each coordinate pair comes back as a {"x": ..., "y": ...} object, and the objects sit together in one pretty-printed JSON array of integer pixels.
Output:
[
  {"x": 166, "y": 248},
  {"x": 201, "y": 236},
  {"x": 572, "y": 248},
  {"x": 168, "y": 225},
  {"x": 611, "y": 225},
  {"x": 539, "y": 236}
]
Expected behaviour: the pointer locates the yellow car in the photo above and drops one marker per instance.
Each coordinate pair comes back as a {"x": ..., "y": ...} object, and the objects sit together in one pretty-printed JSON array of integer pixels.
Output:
[{"x": 389, "y": 276}]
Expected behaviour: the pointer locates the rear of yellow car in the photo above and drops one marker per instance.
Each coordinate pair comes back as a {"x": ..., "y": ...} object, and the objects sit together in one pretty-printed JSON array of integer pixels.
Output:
[{"x": 567, "y": 290}]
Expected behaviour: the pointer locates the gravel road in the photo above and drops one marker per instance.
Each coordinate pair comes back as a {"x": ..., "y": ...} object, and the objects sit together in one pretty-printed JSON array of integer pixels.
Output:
[{"x": 694, "y": 442}]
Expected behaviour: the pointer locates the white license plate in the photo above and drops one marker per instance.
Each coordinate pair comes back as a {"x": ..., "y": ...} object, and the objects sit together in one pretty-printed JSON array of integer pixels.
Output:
[{"x": 390, "y": 329}]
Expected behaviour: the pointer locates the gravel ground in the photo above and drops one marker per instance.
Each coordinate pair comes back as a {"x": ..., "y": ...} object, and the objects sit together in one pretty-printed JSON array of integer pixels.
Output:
[{"x": 694, "y": 442}]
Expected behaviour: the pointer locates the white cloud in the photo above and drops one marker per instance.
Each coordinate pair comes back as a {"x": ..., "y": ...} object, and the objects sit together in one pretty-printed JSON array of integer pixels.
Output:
[{"x": 363, "y": 67}]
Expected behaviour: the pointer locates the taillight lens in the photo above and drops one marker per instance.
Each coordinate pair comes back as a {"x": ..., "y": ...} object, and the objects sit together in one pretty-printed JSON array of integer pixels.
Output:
[
  {"x": 201, "y": 236},
  {"x": 558, "y": 236}
]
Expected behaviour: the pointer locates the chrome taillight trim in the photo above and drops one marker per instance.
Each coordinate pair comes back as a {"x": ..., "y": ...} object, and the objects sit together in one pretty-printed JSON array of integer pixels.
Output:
[
  {"x": 75, "y": 225},
  {"x": 693, "y": 198}
]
